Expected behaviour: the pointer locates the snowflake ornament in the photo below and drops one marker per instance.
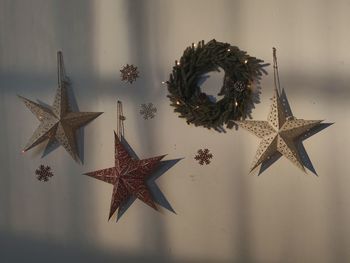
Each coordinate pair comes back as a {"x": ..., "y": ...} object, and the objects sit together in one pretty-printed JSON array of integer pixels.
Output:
[
  {"x": 43, "y": 173},
  {"x": 239, "y": 86},
  {"x": 203, "y": 156},
  {"x": 129, "y": 73},
  {"x": 233, "y": 86},
  {"x": 148, "y": 111}
]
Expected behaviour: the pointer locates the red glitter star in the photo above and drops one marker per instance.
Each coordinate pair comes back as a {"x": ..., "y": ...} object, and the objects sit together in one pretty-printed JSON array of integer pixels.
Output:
[{"x": 128, "y": 177}]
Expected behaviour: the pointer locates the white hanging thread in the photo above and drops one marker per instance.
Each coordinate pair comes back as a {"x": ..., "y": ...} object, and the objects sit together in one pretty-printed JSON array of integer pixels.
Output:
[{"x": 60, "y": 69}]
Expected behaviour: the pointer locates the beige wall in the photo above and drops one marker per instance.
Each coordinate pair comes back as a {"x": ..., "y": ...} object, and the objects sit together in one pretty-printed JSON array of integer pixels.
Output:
[{"x": 223, "y": 214}]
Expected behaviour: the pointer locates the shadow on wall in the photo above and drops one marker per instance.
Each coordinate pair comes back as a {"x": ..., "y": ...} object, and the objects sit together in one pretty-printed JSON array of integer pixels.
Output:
[
  {"x": 19, "y": 248},
  {"x": 76, "y": 43},
  {"x": 25, "y": 249},
  {"x": 11, "y": 180},
  {"x": 155, "y": 236}
]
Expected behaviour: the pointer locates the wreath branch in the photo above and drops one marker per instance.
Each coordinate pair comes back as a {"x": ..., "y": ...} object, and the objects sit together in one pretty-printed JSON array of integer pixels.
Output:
[{"x": 241, "y": 71}]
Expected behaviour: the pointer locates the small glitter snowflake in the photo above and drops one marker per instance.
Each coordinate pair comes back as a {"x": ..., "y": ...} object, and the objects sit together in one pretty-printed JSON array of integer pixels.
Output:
[
  {"x": 203, "y": 156},
  {"x": 148, "y": 111},
  {"x": 129, "y": 73},
  {"x": 239, "y": 86},
  {"x": 232, "y": 86},
  {"x": 43, "y": 173}
]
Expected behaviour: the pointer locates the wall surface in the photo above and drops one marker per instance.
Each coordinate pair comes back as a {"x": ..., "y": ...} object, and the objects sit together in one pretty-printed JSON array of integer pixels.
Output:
[{"x": 223, "y": 214}]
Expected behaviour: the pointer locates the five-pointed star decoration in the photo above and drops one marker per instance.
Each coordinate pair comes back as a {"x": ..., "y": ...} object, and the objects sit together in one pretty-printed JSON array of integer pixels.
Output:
[
  {"x": 58, "y": 123},
  {"x": 129, "y": 178},
  {"x": 282, "y": 133}
]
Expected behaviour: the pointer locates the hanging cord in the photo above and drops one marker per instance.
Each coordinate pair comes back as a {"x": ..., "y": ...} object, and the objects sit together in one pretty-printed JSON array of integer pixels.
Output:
[
  {"x": 60, "y": 69},
  {"x": 120, "y": 119},
  {"x": 276, "y": 77}
]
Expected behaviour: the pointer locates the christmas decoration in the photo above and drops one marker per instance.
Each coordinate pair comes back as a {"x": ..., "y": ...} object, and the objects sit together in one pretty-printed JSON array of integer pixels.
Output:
[
  {"x": 129, "y": 73},
  {"x": 280, "y": 133},
  {"x": 130, "y": 176},
  {"x": 58, "y": 123},
  {"x": 148, "y": 111},
  {"x": 241, "y": 72},
  {"x": 239, "y": 86},
  {"x": 203, "y": 156},
  {"x": 43, "y": 173}
]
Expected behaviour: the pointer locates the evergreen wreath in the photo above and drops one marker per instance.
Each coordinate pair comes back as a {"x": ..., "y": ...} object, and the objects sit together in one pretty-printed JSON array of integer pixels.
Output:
[{"x": 241, "y": 70}]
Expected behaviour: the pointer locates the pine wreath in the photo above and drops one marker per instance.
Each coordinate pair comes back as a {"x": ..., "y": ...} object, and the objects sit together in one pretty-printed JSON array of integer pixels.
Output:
[{"x": 241, "y": 71}]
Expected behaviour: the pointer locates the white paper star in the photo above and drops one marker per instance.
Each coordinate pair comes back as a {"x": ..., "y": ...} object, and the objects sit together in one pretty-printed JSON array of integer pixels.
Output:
[
  {"x": 279, "y": 134},
  {"x": 58, "y": 123}
]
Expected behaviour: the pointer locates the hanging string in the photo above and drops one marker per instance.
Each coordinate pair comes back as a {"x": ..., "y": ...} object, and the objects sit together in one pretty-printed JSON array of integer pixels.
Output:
[
  {"x": 276, "y": 77},
  {"x": 60, "y": 69},
  {"x": 120, "y": 119}
]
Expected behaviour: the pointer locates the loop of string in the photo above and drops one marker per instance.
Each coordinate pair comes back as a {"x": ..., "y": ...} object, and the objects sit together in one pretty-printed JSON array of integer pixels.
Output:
[
  {"x": 276, "y": 77},
  {"x": 120, "y": 119},
  {"x": 61, "y": 79},
  {"x": 60, "y": 69}
]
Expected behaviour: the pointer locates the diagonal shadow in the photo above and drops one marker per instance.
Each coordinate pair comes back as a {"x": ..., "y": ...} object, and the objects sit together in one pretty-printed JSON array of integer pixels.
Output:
[
  {"x": 156, "y": 192},
  {"x": 153, "y": 187},
  {"x": 304, "y": 155},
  {"x": 269, "y": 162}
]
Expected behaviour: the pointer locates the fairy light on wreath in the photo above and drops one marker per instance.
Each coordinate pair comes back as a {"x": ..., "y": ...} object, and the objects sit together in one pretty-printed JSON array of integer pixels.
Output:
[{"x": 241, "y": 72}]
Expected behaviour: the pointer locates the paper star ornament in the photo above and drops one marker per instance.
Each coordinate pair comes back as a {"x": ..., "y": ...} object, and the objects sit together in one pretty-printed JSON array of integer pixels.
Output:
[
  {"x": 128, "y": 177},
  {"x": 279, "y": 134},
  {"x": 58, "y": 123}
]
